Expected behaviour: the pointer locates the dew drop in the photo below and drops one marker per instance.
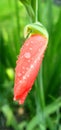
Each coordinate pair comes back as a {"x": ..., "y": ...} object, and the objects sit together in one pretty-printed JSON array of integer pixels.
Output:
[
  {"x": 26, "y": 44},
  {"x": 30, "y": 48},
  {"x": 27, "y": 55},
  {"x": 39, "y": 50},
  {"x": 20, "y": 81},
  {"x": 39, "y": 58},
  {"x": 24, "y": 77},
  {"x": 31, "y": 66},
  {"x": 35, "y": 61},
  {"x": 23, "y": 67},
  {"x": 31, "y": 41},
  {"x": 21, "y": 56}
]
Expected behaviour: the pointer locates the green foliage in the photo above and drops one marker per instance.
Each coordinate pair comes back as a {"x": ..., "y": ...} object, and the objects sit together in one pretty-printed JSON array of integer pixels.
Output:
[{"x": 13, "y": 18}]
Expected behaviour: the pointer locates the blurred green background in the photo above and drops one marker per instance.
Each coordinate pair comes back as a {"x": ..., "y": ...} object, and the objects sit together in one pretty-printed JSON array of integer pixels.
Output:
[{"x": 13, "y": 18}]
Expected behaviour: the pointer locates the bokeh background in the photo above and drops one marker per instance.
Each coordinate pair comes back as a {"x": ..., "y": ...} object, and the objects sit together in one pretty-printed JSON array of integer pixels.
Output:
[{"x": 13, "y": 18}]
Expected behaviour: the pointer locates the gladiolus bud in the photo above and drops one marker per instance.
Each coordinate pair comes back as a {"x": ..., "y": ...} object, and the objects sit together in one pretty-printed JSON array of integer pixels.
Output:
[{"x": 28, "y": 64}]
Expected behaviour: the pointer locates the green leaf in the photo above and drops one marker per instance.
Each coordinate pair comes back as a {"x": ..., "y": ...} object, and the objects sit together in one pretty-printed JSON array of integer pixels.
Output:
[
  {"x": 22, "y": 125},
  {"x": 36, "y": 120},
  {"x": 53, "y": 107},
  {"x": 7, "y": 111},
  {"x": 29, "y": 9}
]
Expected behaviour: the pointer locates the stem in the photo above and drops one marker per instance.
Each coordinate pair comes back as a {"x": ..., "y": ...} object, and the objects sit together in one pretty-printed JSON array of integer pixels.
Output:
[
  {"x": 39, "y": 82},
  {"x": 39, "y": 85},
  {"x": 40, "y": 78},
  {"x": 36, "y": 11},
  {"x": 39, "y": 10},
  {"x": 40, "y": 92}
]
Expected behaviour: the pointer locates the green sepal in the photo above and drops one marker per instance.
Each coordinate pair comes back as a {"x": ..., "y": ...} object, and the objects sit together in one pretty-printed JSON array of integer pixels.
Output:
[{"x": 35, "y": 28}]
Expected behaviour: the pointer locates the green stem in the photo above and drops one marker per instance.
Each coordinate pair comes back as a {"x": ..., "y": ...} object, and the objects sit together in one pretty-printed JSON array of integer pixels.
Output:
[
  {"x": 40, "y": 81},
  {"x": 39, "y": 86},
  {"x": 40, "y": 92},
  {"x": 36, "y": 11},
  {"x": 39, "y": 10},
  {"x": 40, "y": 102}
]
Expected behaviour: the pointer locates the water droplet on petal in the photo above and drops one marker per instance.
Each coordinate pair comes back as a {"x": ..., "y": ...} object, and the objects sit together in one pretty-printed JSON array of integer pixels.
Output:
[
  {"x": 27, "y": 55},
  {"x": 23, "y": 67},
  {"x": 22, "y": 56},
  {"x": 31, "y": 66},
  {"x": 24, "y": 77},
  {"x": 30, "y": 48},
  {"x": 26, "y": 44},
  {"x": 39, "y": 50},
  {"x": 20, "y": 81},
  {"x": 39, "y": 58},
  {"x": 35, "y": 61},
  {"x": 31, "y": 41}
]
